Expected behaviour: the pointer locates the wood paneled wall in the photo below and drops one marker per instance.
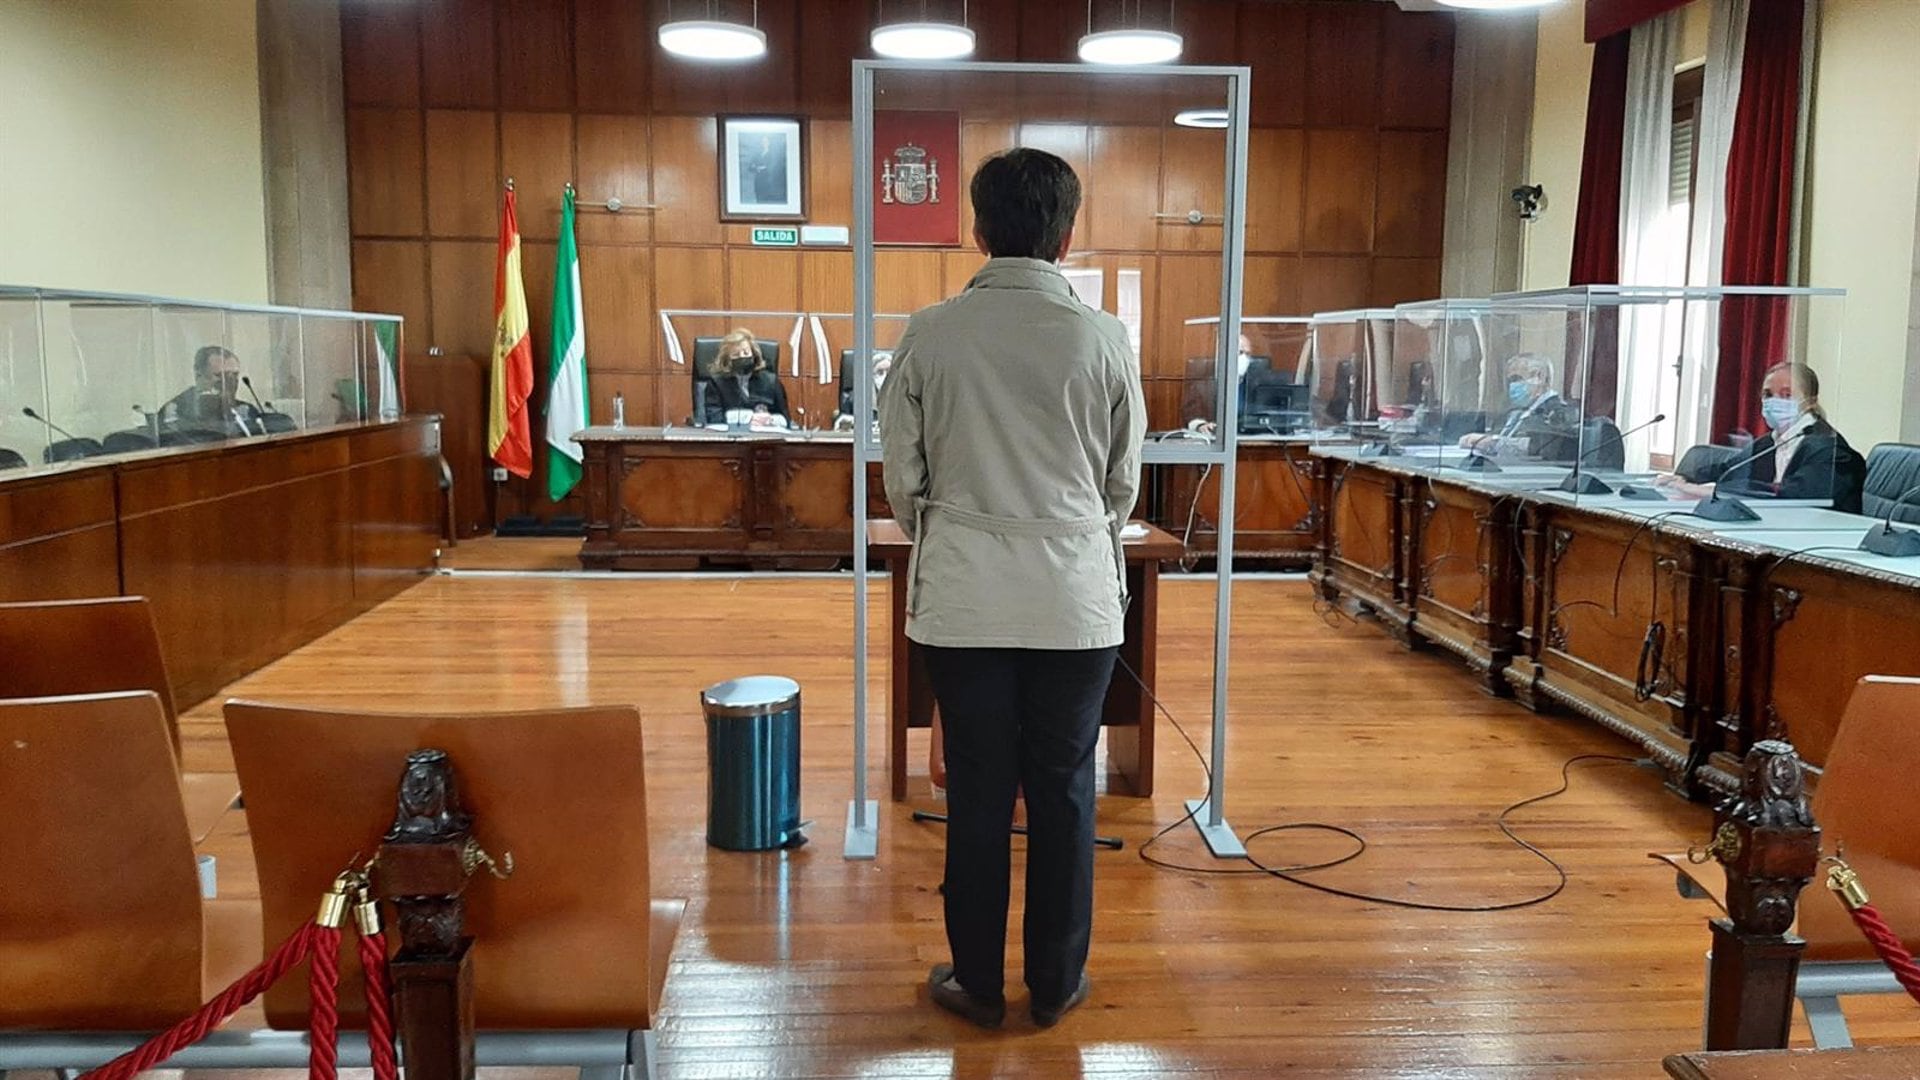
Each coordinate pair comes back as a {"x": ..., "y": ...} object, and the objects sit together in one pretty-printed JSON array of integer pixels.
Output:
[{"x": 1347, "y": 172}]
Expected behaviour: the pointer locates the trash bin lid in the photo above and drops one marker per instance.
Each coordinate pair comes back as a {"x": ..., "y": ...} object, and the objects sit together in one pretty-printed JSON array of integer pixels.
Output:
[{"x": 753, "y": 695}]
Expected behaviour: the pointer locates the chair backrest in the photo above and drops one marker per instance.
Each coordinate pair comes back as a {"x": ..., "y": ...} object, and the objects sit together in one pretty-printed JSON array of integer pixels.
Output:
[
  {"x": 122, "y": 442},
  {"x": 565, "y": 942},
  {"x": 1873, "y": 757},
  {"x": 1893, "y": 470},
  {"x": 100, "y": 917},
  {"x": 71, "y": 450},
  {"x": 1703, "y": 464},
  {"x": 1601, "y": 446},
  {"x": 55, "y": 647},
  {"x": 10, "y": 459}
]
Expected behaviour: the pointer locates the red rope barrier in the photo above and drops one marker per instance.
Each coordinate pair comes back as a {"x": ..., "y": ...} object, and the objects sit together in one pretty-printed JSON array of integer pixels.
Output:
[
  {"x": 1845, "y": 884},
  {"x": 214, "y": 1013},
  {"x": 373, "y": 961},
  {"x": 323, "y": 1008}
]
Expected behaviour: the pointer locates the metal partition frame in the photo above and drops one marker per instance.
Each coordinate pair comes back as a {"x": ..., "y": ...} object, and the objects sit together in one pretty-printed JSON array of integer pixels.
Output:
[{"x": 1208, "y": 814}]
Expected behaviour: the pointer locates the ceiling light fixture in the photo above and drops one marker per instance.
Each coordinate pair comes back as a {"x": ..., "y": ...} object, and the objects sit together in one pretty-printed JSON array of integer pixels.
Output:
[
  {"x": 1201, "y": 118},
  {"x": 923, "y": 38},
  {"x": 714, "y": 39},
  {"x": 1495, "y": 5},
  {"x": 1135, "y": 44}
]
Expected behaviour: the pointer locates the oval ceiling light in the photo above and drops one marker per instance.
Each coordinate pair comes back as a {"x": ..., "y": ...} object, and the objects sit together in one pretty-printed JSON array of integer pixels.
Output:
[
  {"x": 713, "y": 39},
  {"x": 923, "y": 41},
  {"x": 1495, "y": 5},
  {"x": 1201, "y": 118},
  {"x": 1133, "y": 46}
]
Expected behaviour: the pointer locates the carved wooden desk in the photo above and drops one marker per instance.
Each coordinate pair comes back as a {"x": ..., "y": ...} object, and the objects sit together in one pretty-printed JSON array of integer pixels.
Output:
[
  {"x": 680, "y": 498},
  {"x": 1864, "y": 1063},
  {"x": 1694, "y": 641},
  {"x": 1274, "y": 520},
  {"x": 1129, "y": 710}
]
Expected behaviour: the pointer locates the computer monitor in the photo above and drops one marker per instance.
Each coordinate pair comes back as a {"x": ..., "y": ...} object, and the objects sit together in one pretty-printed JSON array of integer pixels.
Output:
[{"x": 1275, "y": 404}]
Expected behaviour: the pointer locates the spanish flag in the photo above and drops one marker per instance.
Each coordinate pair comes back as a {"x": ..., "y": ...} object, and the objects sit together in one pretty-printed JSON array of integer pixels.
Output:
[{"x": 509, "y": 437}]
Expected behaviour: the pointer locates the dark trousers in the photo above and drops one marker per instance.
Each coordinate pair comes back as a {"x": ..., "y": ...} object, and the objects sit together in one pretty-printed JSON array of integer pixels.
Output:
[{"x": 1020, "y": 720}]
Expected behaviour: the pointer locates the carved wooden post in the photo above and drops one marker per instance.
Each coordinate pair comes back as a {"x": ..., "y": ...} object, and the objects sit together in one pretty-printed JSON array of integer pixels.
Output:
[
  {"x": 1770, "y": 847},
  {"x": 422, "y": 869}
]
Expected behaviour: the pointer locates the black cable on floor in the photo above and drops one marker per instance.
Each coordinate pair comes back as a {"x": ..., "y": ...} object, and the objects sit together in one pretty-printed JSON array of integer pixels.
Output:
[{"x": 1290, "y": 873}]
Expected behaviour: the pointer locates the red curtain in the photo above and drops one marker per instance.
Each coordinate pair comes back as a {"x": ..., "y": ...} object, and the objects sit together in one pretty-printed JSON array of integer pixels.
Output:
[
  {"x": 1760, "y": 187},
  {"x": 1606, "y": 18},
  {"x": 1596, "y": 222}
]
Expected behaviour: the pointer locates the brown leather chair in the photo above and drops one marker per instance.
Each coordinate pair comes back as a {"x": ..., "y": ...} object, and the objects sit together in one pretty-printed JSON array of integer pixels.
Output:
[
  {"x": 574, "y": 940},
  {"x": 102, "y": 927},
  {"x": 97, "y": 646},
  {"x": 1873, "y": 753}
]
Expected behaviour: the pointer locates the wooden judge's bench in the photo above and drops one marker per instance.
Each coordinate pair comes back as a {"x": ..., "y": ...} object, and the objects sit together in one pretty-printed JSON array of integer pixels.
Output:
[{"x": 680, "y": 498}]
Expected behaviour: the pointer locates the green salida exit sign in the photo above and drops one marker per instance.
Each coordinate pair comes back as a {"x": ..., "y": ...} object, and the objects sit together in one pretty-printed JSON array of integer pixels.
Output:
[{"x": 764, "y": 236}]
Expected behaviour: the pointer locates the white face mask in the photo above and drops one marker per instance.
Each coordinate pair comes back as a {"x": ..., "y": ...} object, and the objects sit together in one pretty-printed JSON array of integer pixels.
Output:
[{"x": 1246, "y": 361}]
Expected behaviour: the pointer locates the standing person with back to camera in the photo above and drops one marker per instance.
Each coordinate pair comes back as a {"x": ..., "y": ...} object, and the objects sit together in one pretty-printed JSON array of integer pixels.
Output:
[{"x": 1011, "y": 423}]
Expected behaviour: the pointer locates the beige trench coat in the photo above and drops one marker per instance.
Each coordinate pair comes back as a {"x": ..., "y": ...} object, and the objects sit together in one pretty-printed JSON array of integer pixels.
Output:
[{"x": 1011, "y": 422}]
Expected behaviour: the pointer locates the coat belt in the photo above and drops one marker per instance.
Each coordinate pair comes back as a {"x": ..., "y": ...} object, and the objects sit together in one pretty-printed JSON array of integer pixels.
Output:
[{"x": 1002, "y": 525}]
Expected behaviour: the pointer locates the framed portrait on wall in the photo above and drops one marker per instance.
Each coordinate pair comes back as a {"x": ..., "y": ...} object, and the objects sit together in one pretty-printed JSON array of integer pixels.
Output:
[{"x": 763, "y": 168}]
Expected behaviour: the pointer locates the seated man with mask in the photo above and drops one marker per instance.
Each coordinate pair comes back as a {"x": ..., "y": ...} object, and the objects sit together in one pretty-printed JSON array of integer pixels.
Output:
[
  {"x": 1540, "y": 425},
  {"x": 212, "y": 403},
  {"x": 1198, "y": 401},
  {"x": 1801, "y": 456},
  {"x": 843, "y": 416}
]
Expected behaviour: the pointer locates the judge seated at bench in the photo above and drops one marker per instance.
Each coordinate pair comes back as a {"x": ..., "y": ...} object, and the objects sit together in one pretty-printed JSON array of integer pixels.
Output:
[
  {"x": 1540, "y": 425},
  {"x": 1801, "y": 456},
  {"x": 212, "y": 404},
  {"x": 745, "y": 389},
  {"x": 1200, "y": 399}
]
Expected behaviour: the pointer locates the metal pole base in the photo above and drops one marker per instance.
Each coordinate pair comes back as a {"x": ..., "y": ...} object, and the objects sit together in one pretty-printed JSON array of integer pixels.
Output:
[
  {"x": 863, "y": 842},
  {"x": 1220, "y": 838}
]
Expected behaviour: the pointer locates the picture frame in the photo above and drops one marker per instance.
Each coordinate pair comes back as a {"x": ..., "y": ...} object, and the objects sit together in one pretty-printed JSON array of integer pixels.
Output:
[{"x": 763, "y": 168}]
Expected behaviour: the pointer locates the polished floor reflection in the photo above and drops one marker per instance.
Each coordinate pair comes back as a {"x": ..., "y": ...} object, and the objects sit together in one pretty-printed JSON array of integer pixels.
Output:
[{"x": 805, "y": 965}]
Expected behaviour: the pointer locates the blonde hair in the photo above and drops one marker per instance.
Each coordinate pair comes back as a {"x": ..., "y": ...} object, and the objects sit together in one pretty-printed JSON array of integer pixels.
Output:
[
  {"x": 1806, "y": 386},
  {"x": 720, "y": 364}
]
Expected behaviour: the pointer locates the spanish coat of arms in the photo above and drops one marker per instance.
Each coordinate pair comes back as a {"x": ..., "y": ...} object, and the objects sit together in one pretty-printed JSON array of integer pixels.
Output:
[{"x": 910, "y": 177}]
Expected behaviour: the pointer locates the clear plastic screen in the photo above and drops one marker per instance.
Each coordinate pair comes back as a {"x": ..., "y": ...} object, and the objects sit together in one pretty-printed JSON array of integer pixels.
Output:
[
  {"x": 1147, "y": 245},
  {"x": 23, "y": 440}
]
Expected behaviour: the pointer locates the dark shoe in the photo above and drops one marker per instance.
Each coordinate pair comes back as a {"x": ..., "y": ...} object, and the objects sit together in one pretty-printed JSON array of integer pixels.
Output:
[
  {"x": 1047, "y": 1017},
  {"x": 951, "y": 996}
]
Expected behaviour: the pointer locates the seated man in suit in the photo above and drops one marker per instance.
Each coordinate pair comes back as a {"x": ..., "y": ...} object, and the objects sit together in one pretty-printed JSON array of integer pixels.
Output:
[
  {"x": 744, "y": 386},
  {"x": 1801, "y": 456},
  {"x": 1540, "y": 424},
  {"x": 1198, "y": 402},
  {"x": 212, "y": 403}
]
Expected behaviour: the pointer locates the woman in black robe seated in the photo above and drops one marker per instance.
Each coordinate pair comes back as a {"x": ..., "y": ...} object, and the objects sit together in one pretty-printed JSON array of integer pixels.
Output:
[
  {"x": 742, "y": 382},
  {"x": 1802, "y": 456}
]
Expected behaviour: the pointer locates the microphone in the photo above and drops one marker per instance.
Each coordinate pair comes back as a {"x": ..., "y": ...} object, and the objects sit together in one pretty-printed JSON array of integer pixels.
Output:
[
  {"x": 31, "y": 415},
  {"x": 248, "y": 383},
  {"x": 1884, "y": 539},
  {"x": 240, "y": 418},
  {"x": 152, "y": 419},
  {"x": 1716, "y": 508},
  {"x": 1584, "y": 484}
]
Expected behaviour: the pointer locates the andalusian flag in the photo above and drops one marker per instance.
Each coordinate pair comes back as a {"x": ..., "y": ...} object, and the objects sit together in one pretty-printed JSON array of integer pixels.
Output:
[
  {"x": 509, "y": 439},
  {"x": 386, "y": 347},
  {"x": 567, "y": 395}
]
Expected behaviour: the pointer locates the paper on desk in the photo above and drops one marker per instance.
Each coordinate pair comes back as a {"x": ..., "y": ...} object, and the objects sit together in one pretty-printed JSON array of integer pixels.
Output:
[{"x": 1133, "y": 530}]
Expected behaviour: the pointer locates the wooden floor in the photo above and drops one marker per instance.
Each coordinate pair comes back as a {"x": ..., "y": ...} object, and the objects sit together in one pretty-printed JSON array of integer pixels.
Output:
[
  {"x": 806, "y": 965},
  {"x": 549, "y": 553}
]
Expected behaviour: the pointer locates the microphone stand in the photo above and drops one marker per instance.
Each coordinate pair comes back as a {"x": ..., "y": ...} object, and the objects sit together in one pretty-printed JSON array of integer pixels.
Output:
[
  {"x": 1727, "y": 509},
  {"x": 1583, "y": 483},
  {"x": 1884, "y": 539}
]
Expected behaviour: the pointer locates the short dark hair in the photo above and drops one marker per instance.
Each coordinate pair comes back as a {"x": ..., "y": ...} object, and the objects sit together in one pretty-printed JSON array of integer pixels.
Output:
[
  {"x": 203, "y": 358},
  {"x": 1024, "y": 201}
]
